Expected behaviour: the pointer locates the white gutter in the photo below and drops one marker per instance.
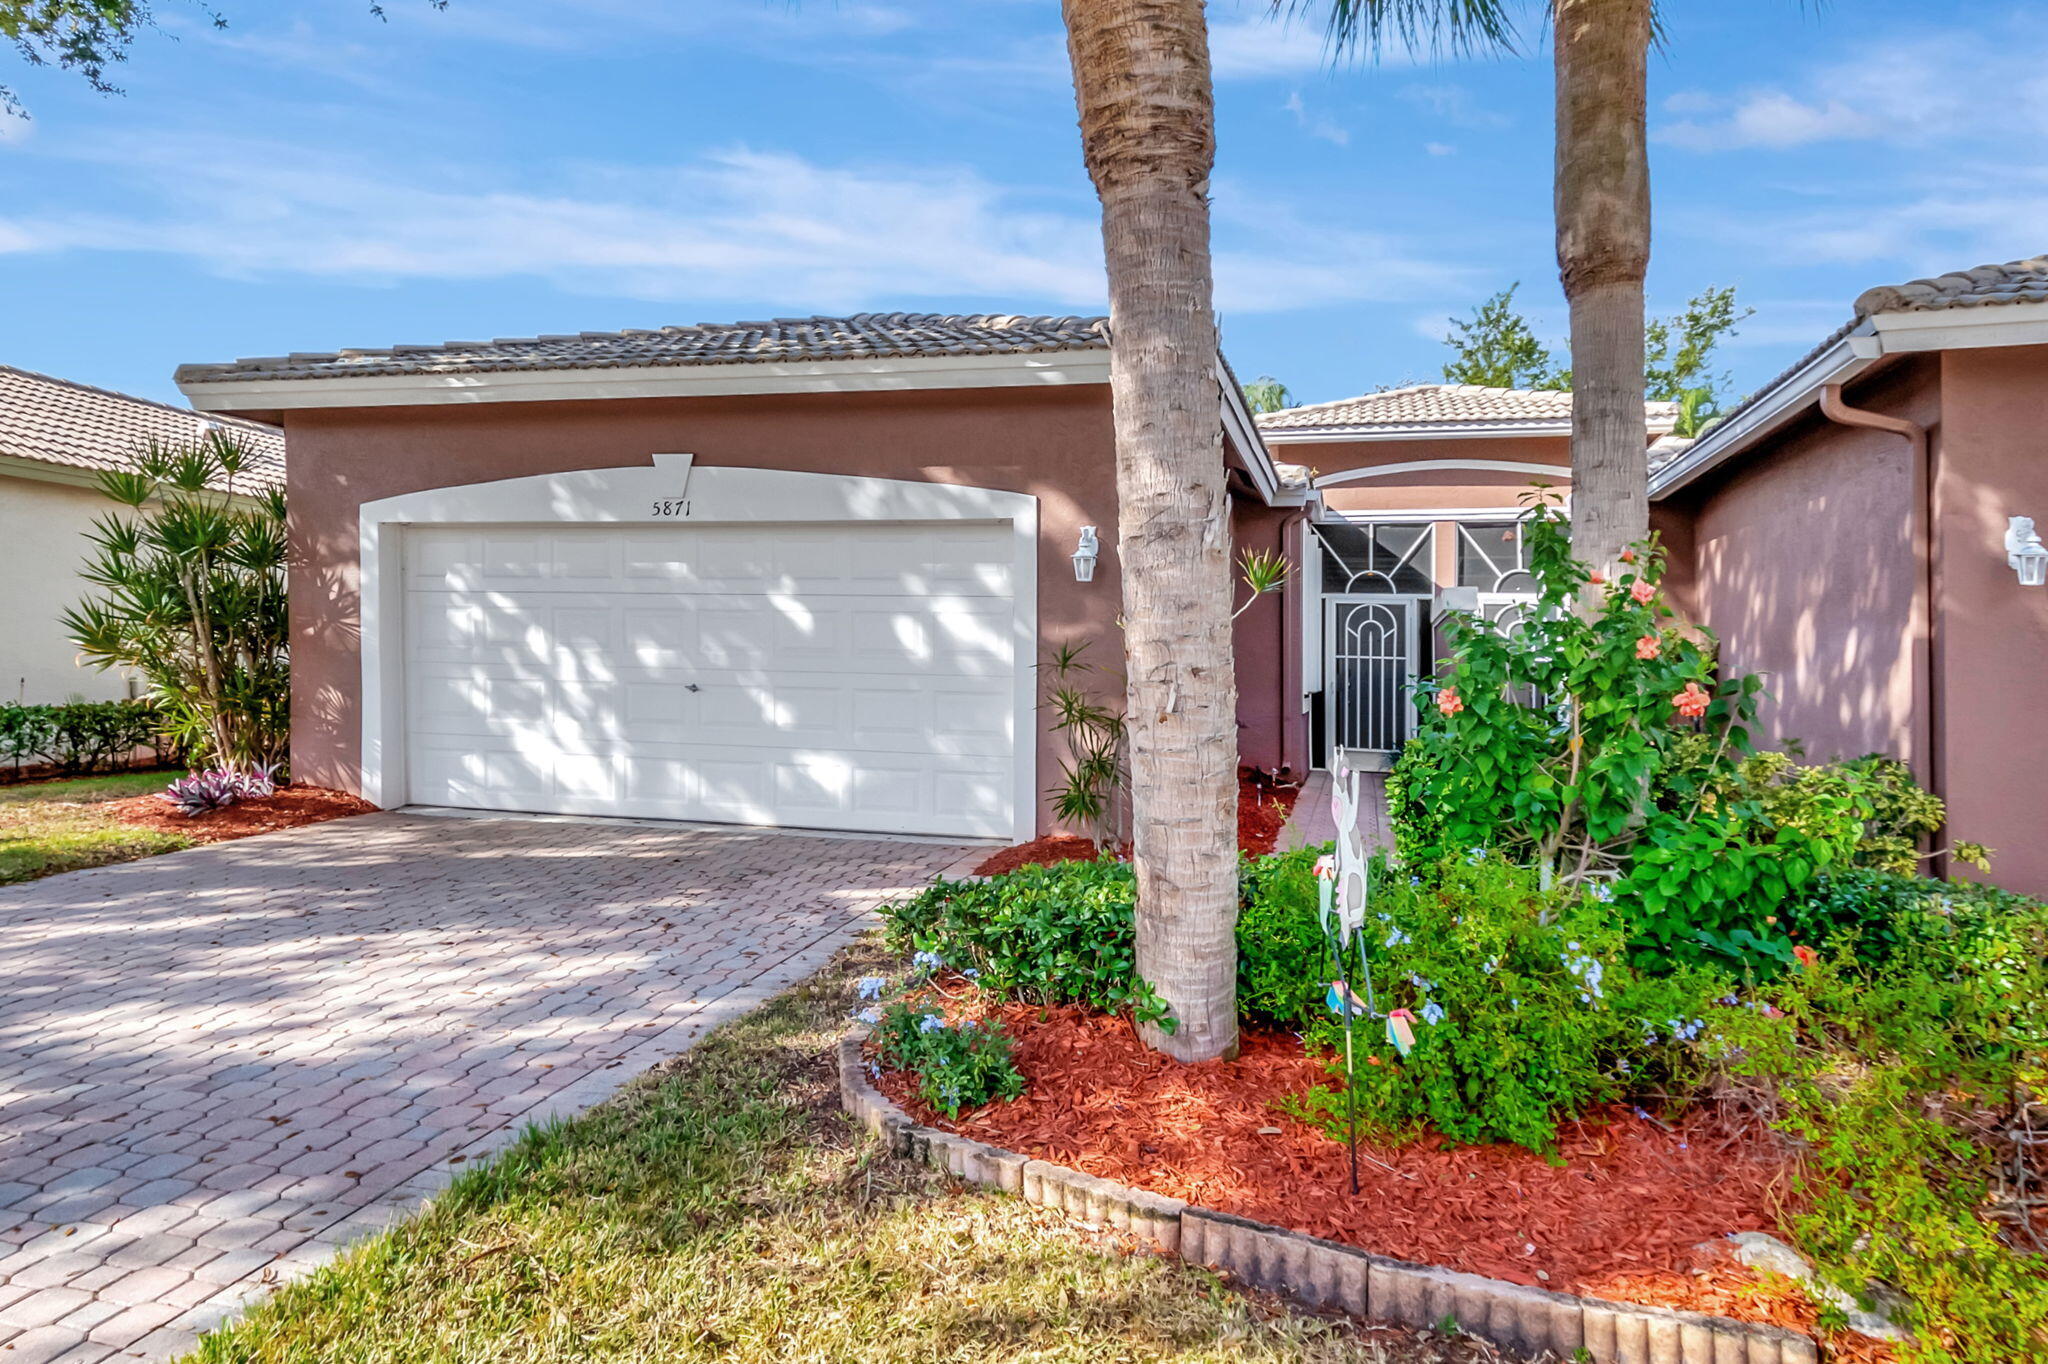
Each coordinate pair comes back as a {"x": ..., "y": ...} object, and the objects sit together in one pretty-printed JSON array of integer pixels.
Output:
[
  {"x": 1772, "y": 408},
  {"x": 1871, "y": 340}
]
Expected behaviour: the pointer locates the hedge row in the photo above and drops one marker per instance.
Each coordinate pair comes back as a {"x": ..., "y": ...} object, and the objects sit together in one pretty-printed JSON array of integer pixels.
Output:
[{"x": 80, "y": 736}]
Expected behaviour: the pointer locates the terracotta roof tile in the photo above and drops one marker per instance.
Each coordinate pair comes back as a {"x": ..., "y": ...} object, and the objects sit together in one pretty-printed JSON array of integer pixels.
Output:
[
  {"x": 2019, "y": 281},
  {"x": 1467, "y": 406},
  {"x": 861, "y": 336},
  {"x": 55, "y": 421}
]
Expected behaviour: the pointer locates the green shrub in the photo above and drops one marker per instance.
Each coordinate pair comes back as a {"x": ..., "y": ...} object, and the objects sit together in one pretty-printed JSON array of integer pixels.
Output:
[
  {"x": 79, "y": 736},
  {"x": 1282, "y": 965},
  {"x": 1063, "y": 934},
  {"x": 957, "y": 1065},
  {"x": 191, "y": 594},
  {"x": 1526, "y": 1010}
]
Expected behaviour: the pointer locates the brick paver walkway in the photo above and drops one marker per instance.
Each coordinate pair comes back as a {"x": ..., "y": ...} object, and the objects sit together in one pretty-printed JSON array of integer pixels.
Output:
[{"x": 218, "y": 1066}]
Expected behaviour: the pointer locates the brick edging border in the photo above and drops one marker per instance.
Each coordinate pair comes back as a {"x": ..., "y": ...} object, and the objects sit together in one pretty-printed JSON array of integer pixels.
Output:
[{"x": 1323, "y": 1274}]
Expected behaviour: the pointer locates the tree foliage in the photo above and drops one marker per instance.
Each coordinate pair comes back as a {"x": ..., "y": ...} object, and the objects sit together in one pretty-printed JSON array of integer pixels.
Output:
[
  {"x": 87, "y": 36},
  {"x": 1496, "y": 347},
  {"x": 1267, "y": 394},
  {"x": 193, "y": 598}
]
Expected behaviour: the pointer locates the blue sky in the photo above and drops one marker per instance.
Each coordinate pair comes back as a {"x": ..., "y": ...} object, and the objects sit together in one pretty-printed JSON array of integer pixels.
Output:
[{"x": 312, "y": 178}]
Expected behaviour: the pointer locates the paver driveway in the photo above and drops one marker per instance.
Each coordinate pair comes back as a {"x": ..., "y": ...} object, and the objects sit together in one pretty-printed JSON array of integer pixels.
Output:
[{"x": 219, "y": 1065}]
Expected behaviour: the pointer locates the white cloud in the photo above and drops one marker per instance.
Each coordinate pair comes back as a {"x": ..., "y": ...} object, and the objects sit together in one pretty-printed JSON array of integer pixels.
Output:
[
  {"x": 1455, "y": 105},
  {"x": 1253, "y": 49},
  {"x": 1907, "y": 89},
  {"x": 1439, "y": 149},
  {"x": 750, "y": 227},
  {"x": 1770, "y": 118},
  {"x": 1317, "y": 124}
]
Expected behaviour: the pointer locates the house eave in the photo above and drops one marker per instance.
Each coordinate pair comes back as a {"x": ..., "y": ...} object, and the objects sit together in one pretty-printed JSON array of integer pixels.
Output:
[{"x": 897, "y": 373}]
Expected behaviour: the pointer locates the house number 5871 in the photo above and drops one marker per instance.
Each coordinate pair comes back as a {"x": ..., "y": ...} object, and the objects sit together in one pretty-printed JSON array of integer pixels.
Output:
[{"x": 671, "y": 506}]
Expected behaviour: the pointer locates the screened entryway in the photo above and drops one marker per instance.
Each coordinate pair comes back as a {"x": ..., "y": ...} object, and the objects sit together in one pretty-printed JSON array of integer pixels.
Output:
[
  {"x": 1493, "y": 560},
  {"x": 1378, "y": 583}
]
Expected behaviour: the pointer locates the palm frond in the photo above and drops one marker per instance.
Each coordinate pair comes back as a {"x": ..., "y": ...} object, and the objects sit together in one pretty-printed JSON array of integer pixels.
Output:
[{"x": 1455, "y": 27}]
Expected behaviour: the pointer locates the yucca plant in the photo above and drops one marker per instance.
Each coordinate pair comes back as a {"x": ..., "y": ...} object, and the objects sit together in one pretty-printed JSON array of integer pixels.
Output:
[{"x": 193, "y": 598}]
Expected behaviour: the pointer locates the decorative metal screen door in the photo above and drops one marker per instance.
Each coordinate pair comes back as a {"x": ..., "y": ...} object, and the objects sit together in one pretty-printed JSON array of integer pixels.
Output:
[{"x": 1371, "y": 652}]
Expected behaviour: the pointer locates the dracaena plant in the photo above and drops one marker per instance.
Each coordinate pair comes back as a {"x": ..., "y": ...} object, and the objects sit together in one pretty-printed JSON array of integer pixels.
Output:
[{"x": 191, "y": 594}]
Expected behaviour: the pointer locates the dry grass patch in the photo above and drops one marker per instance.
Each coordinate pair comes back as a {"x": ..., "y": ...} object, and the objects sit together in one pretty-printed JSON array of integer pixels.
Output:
[
  {"x": 723, "y": 1208},
  {"x": 52, "y": 826}
]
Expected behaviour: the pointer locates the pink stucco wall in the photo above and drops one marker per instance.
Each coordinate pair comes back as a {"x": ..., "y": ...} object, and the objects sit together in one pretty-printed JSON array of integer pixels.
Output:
[
  {"x": 1991, "y": 634},
  {"x": 1054, "y": 443},
  {"x": 1802, "y": 564}
]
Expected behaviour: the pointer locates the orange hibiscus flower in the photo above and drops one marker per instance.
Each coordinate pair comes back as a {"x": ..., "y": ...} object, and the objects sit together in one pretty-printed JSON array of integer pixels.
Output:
[
  {"x": 1649, "y": 646},
  {"x": 1692, "y": 702},
  {"x": 1449, "y": 702}
]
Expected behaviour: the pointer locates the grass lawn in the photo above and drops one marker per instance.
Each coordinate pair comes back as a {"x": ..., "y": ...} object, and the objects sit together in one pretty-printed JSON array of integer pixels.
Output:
[
  {"x": 52, "y": 826},
  {"x": 723, "y": 1208}
]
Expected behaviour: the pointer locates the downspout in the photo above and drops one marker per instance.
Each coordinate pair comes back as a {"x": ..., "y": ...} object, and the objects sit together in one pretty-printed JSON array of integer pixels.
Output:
[
  {"x": 1293, "y": 739},
  {"x": 1926, "y": 730}
]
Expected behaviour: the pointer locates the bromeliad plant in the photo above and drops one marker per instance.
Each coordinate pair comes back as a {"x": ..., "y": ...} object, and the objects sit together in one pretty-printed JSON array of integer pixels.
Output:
[
  {"x": 194, "y": 599},
  {"x": 219, "y": 788}
]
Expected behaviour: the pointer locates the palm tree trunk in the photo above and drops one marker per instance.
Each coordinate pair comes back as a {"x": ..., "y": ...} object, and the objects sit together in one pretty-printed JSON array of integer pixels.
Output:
[
  {"x": 1603, "y": 250},
  {"x": 1141, "y": 79}
]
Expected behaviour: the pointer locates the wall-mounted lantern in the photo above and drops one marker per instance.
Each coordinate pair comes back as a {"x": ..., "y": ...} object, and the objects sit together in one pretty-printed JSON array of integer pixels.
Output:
[
  {"x": 2024, "y": 552},
  {"x": 1085, "y": 555}
]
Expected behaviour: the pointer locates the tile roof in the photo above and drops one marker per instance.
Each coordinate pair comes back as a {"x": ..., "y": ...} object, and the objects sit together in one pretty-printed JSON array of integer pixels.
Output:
[
  {"x": 861, "y": 336},
  {"x": 55, "y": 421},
  {"x": 2019, "y": 281},
  {"x": 1467, "y": 406}
]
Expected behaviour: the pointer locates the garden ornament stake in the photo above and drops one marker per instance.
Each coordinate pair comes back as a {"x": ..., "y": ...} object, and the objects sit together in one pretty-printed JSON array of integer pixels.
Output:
[{"x": 1341, "y": 890}]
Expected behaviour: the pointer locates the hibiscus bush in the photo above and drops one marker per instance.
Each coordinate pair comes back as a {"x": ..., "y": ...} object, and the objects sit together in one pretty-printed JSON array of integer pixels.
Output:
[{"x": 1599, "y": 745}]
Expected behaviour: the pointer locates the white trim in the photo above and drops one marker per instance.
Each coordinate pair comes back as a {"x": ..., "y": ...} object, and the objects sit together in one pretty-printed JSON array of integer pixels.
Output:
[
  {"x": 258, "y": 394},
  {"x": 1871, "y": 340},
  {"x": 1769, "y": 410},
  {"x": 1991, "y": 324},
  {"x": 717, "y": 495},
  {"x": 1403, "y": 517},
  {"x": 1422, "y": 466},
  {"x": 1424, "y": 431}
]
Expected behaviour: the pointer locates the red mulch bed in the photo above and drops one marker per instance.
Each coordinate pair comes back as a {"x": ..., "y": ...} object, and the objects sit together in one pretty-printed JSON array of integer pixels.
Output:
[
  {"x": 1262, "y": 812},
  {"x": 1620, "y": 1217},
  {"x": 288, "y": 808}
]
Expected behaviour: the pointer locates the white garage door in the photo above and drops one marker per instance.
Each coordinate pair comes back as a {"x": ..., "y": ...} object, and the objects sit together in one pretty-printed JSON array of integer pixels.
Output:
[{"x": 816, "y": 676}]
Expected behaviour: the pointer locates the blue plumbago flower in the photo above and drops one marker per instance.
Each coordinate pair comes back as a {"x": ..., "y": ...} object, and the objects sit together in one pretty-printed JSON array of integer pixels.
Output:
[
  {"x": 869, "y": 1016},
  {"x": 966, "y": 1023},
  {"x": 1432, "y": 1012},
  {"x": 1385, "y": 917},
  {"x": 1474, "y": 856},
  {"x": 1515, "y": 1004},
  {"x": 1397, "y": 937},
  {"x": 871, "y": 987},
  {"x": 1415, "y": 881},
  {"x": 1682, "y": 1031},
  {"x": 931, "y": 1023},
  {"x": 1423, "y": 985},
  {"x": 1602, "y": 892},
  {"x": 1730, "y": 1000},
  {"x": 1589, "y": 971},
  {"x": 971, "y": 973},
  {"x": 1491, "y": 966},
  {"x": 927, "y": 961}
]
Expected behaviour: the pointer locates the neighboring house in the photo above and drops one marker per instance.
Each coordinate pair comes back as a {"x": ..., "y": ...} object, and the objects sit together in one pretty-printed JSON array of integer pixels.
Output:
[
  {"x": 1847, "y": 533},
  {"x": 55, "y": 439},
  {"x": 801, "y": 572}
]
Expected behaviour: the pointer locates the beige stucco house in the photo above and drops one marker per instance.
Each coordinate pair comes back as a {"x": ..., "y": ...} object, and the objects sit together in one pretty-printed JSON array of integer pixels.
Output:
[{"x": 55, "y": 438}]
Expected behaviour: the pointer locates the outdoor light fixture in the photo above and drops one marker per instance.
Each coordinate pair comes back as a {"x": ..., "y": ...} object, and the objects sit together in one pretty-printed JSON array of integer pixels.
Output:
[
  {"x": 2024, "y": 552},
  {"x": 1091, "y": 548}
]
